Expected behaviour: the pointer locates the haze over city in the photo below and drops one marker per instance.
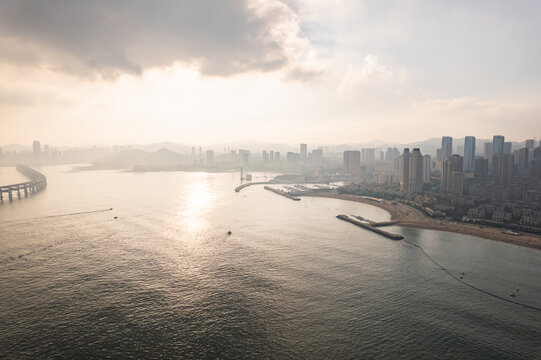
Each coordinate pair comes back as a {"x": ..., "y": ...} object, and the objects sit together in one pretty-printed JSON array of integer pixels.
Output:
[
  {"x": 284, "y": 179},
  {"x": 212, "y": 72}
]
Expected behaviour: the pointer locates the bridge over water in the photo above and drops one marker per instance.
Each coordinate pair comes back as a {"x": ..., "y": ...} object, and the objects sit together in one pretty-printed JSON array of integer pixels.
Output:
[{"x": 37, "y": 182}]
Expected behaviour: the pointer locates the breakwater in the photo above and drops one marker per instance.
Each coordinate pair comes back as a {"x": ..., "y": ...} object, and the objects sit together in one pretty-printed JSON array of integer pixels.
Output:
[
  {"x": 37, "y": 182},
  {"x": 283, "y": 193},
  {"x": 370, "y": 228}
]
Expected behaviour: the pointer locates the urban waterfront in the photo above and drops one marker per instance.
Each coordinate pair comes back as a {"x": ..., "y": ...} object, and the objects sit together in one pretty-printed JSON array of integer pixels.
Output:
[{"x": 163, "y": 278}]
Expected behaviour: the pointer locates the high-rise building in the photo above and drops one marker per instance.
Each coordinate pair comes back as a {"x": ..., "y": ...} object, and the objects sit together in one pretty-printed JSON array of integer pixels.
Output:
[
  {"x": 523, "y": 161},
  {"x": 244, "y": 156},
  {"x": 427, "y": 168},
  {"x": 469, "y": 153},
  {"x": 368, "y": 156},
  {"x": 530, "y": 144},
  {"x": 502, "y": 167},
  {"x": 210, "y": 157},
  {"x": 265, "y": 156},
  {"x": 415, "y": 176},
  {"x": 317, "y": 156},
  {"x": 536, "y": 153},
  {"x": 352, "y": 162},
  {"x": 488, "y": 152},
  {"x": 535, "y": 168},
  {"x": 36, "y": 149},
  {"x": 507, "y": 147},
  {"x": 391, "y": 154},
  {"x": 497, "y": 144},
  {"x": 292, "y": 159},
  {"x": 381, "y": 156},
  {"x": 277, "y": 156},
  {"x": 446, "y": 147},
  {"x": 480, "y": 167},
  {"x": 451, "y": 165},
  {"x": 403, "y": 169},
  {"x": 304, "y": 151},
  {"x": 271, "y": 156}
]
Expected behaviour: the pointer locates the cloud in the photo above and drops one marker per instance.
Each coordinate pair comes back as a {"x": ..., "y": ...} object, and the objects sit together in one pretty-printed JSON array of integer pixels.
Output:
[
  {"x": 108, "y": 38},
  {"x": 373, "y": 75}
]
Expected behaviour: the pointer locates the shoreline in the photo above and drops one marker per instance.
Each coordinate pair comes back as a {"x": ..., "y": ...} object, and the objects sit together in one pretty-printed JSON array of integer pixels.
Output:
[{"x": 407, "y": 216}]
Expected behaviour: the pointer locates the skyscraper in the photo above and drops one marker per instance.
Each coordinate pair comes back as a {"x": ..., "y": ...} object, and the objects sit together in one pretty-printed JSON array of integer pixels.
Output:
[
  {"x": 427, "y": 169},
  {"x": 304, "y": 151},
  {"x": 497, "y": 144},
  {"x": 507, "y": 147},
  {"x": 536, "y": 153},
  {"x": 352, "y": 162},
  {"x": 36, "y": 149},
  {"x": 415, "y": 176},
  {"x": 469, "y": 153},
  {"x": 368, "y": 156},
  {"x": 210, "y": 157},
  {"x": 452, "y": 166},
  {"x": 530, "y": 144},
  {"x": 403, "y": 169},
  {"x": 480, "y": 167},
  {"x": 488, "y": 151},
  {"x": 502, "y": 167},
  {"x": 522, "y": 163},
  {"x": 446, "y": 147}
]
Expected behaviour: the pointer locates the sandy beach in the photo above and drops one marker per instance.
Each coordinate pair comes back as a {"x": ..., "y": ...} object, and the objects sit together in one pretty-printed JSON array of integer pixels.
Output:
[{"x": 408, "y": 216}]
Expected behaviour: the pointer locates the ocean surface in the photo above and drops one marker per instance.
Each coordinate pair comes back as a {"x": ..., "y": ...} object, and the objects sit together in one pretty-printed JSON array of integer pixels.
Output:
[{"x": 164, "y": 280}]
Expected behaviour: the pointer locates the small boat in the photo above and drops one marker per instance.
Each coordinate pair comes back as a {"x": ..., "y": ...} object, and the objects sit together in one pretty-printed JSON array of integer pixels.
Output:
[
  {"x": 229, "y": 232},
  {"x": 513, "y": 294}
]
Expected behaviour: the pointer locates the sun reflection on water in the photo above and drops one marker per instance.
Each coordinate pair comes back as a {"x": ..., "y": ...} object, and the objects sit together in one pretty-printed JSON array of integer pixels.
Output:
[{"x": 191, "y": 217}]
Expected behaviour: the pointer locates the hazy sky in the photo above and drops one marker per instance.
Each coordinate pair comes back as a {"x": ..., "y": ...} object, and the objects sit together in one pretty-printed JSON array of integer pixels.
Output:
[{"x": 317, "y": 71}]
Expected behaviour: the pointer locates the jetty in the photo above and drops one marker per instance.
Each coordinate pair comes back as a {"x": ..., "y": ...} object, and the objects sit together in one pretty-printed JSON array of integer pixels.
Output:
[
  {"x": 370, "y": 227},
  {"x": 239, "y": 188},
  {"x": 283, "y": 193},
  {"x": 37, "y": 182}
]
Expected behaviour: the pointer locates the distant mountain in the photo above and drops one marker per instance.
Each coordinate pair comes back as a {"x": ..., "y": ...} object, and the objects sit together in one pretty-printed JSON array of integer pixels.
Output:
[
  {"x": 169, "y": 145},
  {"x": 134, "y": 158}
]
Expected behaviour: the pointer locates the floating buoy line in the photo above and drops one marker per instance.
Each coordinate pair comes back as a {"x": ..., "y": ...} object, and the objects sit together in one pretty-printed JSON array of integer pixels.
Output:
[{"x": 460, "y": 280}]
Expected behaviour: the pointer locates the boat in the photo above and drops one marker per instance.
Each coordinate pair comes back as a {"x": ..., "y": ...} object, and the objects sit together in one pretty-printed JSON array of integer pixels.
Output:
[
  {"x": 229, "y": 232},
  {"x": 513, "y": 294}
]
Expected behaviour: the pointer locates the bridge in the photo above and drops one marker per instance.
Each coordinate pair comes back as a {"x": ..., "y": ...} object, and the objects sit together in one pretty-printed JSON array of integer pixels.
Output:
[{"x": 37, "y": 182}]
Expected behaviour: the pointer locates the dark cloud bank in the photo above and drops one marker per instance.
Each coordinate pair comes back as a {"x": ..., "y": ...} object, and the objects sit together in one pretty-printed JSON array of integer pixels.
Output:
[{"x": 106, "y": 38}]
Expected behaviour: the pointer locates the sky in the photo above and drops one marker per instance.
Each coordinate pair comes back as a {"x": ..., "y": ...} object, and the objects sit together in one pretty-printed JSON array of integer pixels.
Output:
[{"x": 200, "y": 72}]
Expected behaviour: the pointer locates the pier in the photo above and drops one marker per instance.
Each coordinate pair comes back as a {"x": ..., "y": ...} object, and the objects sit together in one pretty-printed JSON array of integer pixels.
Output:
[
  {"x": 370, "y": 227},
  {"x": 37, "y": 182},
  {"x": 283, "y": 193},
  {"x": 239, "y": 188}
]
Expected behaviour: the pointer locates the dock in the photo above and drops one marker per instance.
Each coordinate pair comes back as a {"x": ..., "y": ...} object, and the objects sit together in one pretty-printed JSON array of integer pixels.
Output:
[
  {"x": 370, "y": 227},
  {"x": 283, "y": 193}
]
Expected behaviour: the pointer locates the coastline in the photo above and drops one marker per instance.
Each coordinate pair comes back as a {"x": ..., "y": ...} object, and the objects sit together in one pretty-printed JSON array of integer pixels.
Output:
[{"x": 408, "y": 216}]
